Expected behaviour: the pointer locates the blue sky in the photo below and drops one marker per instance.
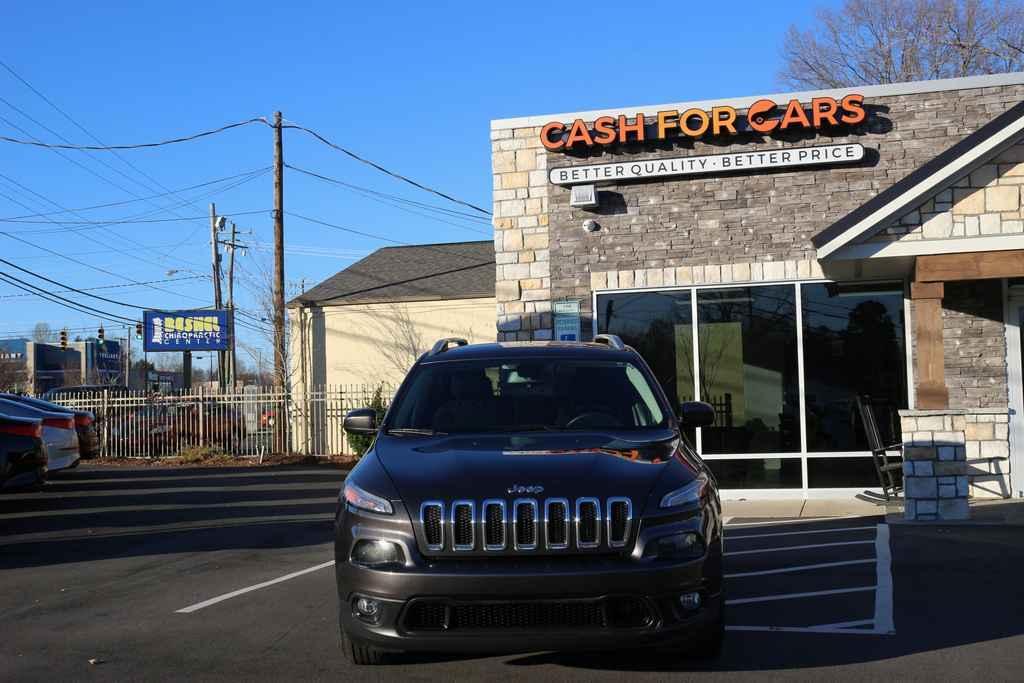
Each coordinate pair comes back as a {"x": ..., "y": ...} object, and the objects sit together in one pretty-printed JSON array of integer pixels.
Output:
[{"x": 411, "y": 86}]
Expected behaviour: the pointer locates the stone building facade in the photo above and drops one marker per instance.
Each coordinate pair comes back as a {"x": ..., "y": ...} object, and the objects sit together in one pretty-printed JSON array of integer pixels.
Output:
[{"x": 938, "y": 178}]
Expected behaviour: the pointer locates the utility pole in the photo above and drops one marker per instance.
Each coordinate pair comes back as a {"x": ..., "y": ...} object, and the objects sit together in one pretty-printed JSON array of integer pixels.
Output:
[
  {"x": 279, "y": 350},
  {"x": 232, "y": 245},
  {"x": 215, "y": 253}
]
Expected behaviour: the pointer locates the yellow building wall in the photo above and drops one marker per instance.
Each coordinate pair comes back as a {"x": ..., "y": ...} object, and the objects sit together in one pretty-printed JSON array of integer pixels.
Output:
[{"x": 373, "y": 343}]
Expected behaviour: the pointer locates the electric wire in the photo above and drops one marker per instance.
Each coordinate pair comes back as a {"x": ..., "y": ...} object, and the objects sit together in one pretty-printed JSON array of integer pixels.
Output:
[
  {"x": 142, "y": 145},
  {"x": 384, "y": 170}
]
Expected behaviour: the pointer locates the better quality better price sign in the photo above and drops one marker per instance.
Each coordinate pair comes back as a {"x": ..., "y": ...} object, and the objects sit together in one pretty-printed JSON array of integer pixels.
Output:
[{"x": 709, "y": 164}]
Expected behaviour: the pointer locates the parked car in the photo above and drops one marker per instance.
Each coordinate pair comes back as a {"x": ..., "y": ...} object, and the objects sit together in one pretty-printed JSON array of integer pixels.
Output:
[
  {"x": 23, "y": 458},
  {"x": 85, "y": 391},
  {"x": 144, "y": 430},
  {"x": 59, "y": 432},
  {"x": 85, "y": 422},
  {"x": 523, "y": 497}
]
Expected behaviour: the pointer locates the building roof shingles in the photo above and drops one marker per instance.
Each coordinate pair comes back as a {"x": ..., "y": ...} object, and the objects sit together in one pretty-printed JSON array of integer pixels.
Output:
[{"x": 424, "y": 272}]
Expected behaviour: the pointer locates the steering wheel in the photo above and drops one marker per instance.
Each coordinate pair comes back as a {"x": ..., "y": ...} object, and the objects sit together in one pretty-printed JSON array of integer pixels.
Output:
[{"x": 604, "y": 420}]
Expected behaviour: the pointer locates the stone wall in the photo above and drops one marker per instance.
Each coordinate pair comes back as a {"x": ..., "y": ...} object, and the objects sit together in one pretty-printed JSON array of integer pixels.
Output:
[
  {"x": 935, "y": 484},
  {"x": 974, "y": 343},
  {"x": 523, "y": 286},
  {"x": 757, "y": 218},
  {"x": 987, "y": 202}
]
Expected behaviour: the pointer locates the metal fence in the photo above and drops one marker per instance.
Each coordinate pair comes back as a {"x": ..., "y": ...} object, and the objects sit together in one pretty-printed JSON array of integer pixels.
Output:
[{"x": 254, "y": 421}]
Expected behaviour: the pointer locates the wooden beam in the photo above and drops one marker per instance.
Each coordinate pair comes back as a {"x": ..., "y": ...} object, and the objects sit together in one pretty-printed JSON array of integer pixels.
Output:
[
  {"x": 927, "y": 290},
  {"x": 980, "y": 265},
  {"x": 929, "y": 360}
]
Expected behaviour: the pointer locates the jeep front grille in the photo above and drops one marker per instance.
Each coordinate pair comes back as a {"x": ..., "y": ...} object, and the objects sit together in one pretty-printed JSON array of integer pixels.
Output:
[
  {"x": 526, "y": 524},
  {"x": 432, "y": 515}
]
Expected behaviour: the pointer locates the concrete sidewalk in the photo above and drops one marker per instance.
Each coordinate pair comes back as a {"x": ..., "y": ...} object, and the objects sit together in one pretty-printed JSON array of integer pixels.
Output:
[
  {"x": 798, "y": 507},
  {"x": 984, "y": 512}
]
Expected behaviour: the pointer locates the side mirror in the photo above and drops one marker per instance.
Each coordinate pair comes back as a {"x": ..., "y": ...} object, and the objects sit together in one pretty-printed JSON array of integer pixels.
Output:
[
  {"x": 361, "y": 421},
  {"x": 696, "y": 414}
]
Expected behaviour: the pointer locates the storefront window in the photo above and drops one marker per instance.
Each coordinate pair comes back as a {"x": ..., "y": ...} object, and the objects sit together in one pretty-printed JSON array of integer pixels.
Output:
[
  {"x": 759, "y": 473},
  {"x": 748, "y": 369},
  {"x": 659, "y": 326},
  {"x": 853, "y": 345}
]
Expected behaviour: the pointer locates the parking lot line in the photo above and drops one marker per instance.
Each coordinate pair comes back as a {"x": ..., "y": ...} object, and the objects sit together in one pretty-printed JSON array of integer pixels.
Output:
[
  {"x": 799, "y": 568},
  {"x": 799, "y": 520},
  {"x": 801, "y": 533},
  {"x": 798, "y": 547},
  {"x": 249, "y": 589},
  {"x": 793, "y": 596},
  {"x": 884, "y": 622}
]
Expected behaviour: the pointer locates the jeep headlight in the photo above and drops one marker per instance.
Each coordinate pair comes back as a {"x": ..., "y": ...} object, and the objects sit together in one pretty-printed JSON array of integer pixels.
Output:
[
  {"x": 364, "y": 500},
  {"x": 377, "y": 553},
  {"x": 686, "y": 545},
  {"x": 691, "y": 493}
]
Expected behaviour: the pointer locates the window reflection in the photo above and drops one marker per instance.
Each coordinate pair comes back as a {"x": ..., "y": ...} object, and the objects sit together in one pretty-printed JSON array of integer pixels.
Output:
[
  {"x": 853, "y": 344},
  {"x": 748, "y": 369}
]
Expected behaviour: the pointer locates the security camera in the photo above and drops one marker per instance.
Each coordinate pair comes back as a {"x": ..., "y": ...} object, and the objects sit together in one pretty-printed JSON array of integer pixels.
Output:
[{"x": 590, "y": 225}]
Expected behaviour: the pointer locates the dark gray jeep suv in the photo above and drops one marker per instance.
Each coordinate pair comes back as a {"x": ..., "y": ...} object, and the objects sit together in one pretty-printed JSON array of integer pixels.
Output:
[{"x": 529, "y": 496}]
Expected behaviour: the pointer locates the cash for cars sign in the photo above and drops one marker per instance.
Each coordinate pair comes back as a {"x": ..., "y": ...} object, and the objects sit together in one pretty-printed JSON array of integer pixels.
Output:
[
  {"x": 197, "y": 330},
  {"x": 714, "y": 163}
]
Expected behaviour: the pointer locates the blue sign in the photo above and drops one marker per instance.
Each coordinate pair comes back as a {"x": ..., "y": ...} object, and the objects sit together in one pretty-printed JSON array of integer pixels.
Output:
[
  {"x": 199, "y": 330},
  {"x": 567, "y": 319}
]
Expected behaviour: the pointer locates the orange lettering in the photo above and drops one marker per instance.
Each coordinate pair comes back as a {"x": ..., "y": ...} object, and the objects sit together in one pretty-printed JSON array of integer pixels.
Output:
[
  {"x": 853, "y": 105},
  {"x": 556, "y": 143},
  {"x": 795, "y": 115},
  {"x": 702, "y": 127},
  {"x": 757, "y": 116},
  {"x": 579, "y": 133},
  {"x": 667, "y": 120},
  {"x": 726, "y": 122},
  {"x": 637, "y": 128},
  {"x": 604, "y": 129},
  {"x": 823, "y": 110}
]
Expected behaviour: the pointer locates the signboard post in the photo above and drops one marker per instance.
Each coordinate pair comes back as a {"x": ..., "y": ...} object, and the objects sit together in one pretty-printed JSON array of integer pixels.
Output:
[{"x": 566, "y": 315}]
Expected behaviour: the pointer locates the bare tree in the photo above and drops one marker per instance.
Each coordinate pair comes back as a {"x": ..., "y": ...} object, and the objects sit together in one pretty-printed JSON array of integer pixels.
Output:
[
  {"x": 401, "y": 340},
  {"x": 891, "y": 41},
  {"x": 13, "y": 375},
  {"x": 42, "y": 333}
]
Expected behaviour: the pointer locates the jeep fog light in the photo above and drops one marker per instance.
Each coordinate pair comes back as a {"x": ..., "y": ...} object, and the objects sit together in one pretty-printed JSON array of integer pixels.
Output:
[
  {"x": 686, "y": 545},
  {"x": 377, "y": 554},
  {"x": 367, "y": 609},
  {"x": 689, "y": 601}
]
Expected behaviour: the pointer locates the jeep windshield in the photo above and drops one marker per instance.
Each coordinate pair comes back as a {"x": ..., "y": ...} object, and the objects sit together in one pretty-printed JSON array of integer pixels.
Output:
[{"x": 543, "y": 394}]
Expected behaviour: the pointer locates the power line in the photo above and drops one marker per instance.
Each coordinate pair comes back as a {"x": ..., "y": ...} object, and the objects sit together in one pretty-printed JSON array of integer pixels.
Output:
[
  {"x": 393, "y": 201},
  {"x": 121, "y": 286},
  {"x": 359, "y": 188},
  {"x": 54, "y": 298},
  {"x": 123, "y": 221},
  {"x": 386, "y": 171},
  {"x": 140, "y": 199},
  {"x": 142, "y": 145}
]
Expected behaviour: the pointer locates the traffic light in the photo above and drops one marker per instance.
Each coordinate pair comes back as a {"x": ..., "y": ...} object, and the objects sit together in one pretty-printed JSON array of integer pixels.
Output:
[
  {"x": 64, "y": 340},
  {"x": 138, "y": 330},
  {"x": 99, "y": 335}
]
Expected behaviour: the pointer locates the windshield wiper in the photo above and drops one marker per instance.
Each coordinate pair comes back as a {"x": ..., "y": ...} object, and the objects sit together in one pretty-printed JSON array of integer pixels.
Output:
[{"x": 413, "y": 431}]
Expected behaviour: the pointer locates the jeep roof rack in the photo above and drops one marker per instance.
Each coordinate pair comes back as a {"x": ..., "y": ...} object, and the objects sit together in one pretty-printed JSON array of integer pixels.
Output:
[
  {"x": 441, "y": 345},
  {"x": 611, "y": 340}
]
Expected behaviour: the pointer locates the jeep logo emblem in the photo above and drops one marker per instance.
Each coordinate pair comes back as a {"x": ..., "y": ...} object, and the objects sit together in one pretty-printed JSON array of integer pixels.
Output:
[{"x": 516, "y": 489}]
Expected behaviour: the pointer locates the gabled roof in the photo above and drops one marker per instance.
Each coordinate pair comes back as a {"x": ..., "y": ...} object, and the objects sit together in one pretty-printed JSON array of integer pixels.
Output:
[
  {"x": 422, "y": 272},
  {"x": 916, "y": 188}
]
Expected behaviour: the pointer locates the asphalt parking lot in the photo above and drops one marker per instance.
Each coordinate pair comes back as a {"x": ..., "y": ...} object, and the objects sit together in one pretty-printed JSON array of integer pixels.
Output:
[{"x": 225, "y": 574}]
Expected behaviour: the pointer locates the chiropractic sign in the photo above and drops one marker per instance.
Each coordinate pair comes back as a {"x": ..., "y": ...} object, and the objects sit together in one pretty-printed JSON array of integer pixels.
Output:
[{"x": 702, "y": 165}]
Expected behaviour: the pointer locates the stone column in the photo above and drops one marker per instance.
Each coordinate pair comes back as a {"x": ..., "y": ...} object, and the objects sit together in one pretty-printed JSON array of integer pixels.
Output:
[{"x": 934, "y": 465}]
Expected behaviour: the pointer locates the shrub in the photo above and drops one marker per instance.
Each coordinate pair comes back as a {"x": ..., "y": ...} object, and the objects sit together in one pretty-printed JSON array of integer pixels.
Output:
[{"x": 359, "y": 443}]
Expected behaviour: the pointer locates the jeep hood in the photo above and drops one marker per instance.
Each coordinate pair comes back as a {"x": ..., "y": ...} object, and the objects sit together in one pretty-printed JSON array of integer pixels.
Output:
[{"x": 567, "y": 465}]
